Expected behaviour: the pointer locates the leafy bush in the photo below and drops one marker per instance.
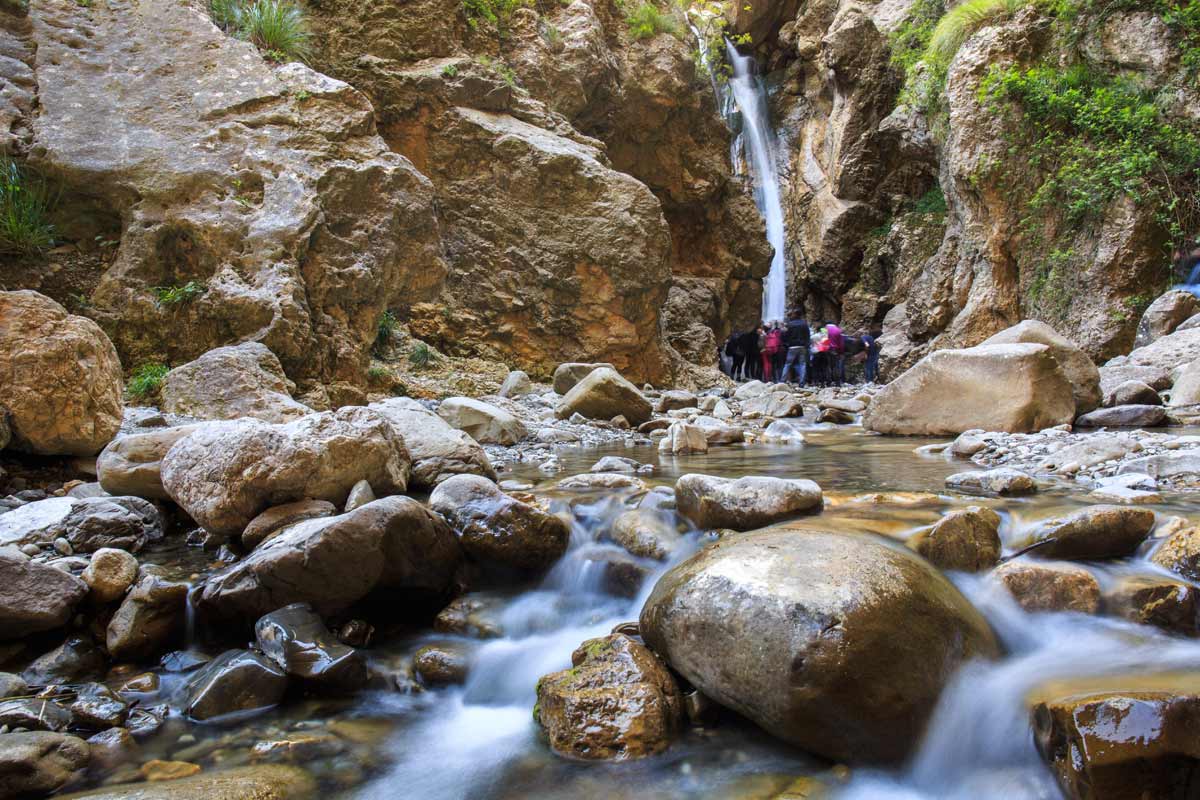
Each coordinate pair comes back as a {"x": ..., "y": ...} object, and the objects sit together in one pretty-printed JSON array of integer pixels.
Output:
[
  {"x": 647, "y": 21},
  {"x": 146, "y": 381},
  {"x": 177, "y": 295},
  {"x": 450, "y": 71},
  {"x": 495, "y": 13},
  {"x": 385, "y": 331},
  {"x": 276, "y": 26},
  {"x": 25, "y": 204},
  {"x": 421, "y": 356},
  {"x": 932, "y": 202}
]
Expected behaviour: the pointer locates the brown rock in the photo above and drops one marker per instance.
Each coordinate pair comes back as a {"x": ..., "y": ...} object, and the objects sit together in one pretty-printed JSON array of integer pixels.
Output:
[
  {"x": 132, "y": 464},
  {"x": 235, "y": 681},
  {"x": 745, "y": 503},
  {"x": 244, "y": 380},
  {"x": 109, "y": 574},
  {"x": 61, "y": 378},
  {"x": 39, "y": 763},
  {"x": 604, "y": 394},
  {"x": 152, "y": 615},
  {"x": 617, "y": 702},
  {"x": 567, "y": 375},
  {"x": 1161, "y": 602},
  {"x": 263, "y": 782},
  {"x": 34, "y": 597},
  {"x": 440, "y": 665},
  {"x": 1094, "y": 533},
  {"x": 645, "y": 533},
  {"x": 156, "y": 770},
  {"x": 1180, "y": 553},
  {"x": 279, "y": 517},
  {"x": 967, "y": 540},
  {"x": 1046, "y": 586},
  {"x": 1075, "y": 364}
]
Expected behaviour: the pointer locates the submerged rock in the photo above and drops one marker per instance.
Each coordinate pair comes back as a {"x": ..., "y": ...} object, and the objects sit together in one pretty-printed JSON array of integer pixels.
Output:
[
  {"x": 225, "y": 474},
  {"x": 1121, "y": 737},
  {"x": 62, "y": 379},
  {"x": 1050, "y": 586},
  {"x": 244, "y": 380},
  {"x": 967, "y": 540},
  {"x": 497, "y": 529},
  {"x": 394, "y": 543},
  {"x": 262, "y": 782},
  {"x": 799, "y": 630},
  {"x": 39, "y": 763},
  {"x": 1094, "y": 533},
  {"x": 33, "y": 715},
  {"x": 297, "y": 640},
  {"x": 34, "y": 597},
  {"x": 999, "y": 387},
  {"x": 438, "y": 451},
  {"x": 235, "y": 681},
  {"x": 604, "y": 394},
  {"x": 618, "y": 701},
  {"x": 745, "y": 503}
]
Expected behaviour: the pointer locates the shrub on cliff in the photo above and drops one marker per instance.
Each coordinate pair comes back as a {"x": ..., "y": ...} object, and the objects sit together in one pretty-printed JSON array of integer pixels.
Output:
[{"x": 647, "y": 21}]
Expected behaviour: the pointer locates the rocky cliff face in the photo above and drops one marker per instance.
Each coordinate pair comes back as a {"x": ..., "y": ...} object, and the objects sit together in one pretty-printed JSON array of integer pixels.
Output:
[{"x": 918, "y": 218}]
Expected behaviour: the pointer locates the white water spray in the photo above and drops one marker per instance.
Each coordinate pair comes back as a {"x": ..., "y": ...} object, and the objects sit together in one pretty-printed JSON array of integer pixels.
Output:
[{"x": 756, "y": 134}]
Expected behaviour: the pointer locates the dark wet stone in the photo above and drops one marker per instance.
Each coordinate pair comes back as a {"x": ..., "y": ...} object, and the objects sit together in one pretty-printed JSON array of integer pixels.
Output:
[
  {"x": 440, "y": 665},
  {"x": 112, "y": 748},
  {"x": 97, "y": 707},
  {"x": 356, "y": 633},
  {"x": 145, "y": 721},
  {"x": 150, "y": 618},
  {"x": 296, "y": 639},
  {"x": 235, "y": 681},
  {"x": 1151, "y": 600},
  {"x": 1127, "y": 416},
  {"x": 75, "y": 660},
  {"x": 34, "y": 715},
  {"x": 12, "y": 685},
  {"x": 1094, "y": 533}
]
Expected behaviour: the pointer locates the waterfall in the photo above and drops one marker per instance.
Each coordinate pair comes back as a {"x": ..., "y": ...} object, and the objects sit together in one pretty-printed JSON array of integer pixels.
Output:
[{"x": 757, "y": 138}]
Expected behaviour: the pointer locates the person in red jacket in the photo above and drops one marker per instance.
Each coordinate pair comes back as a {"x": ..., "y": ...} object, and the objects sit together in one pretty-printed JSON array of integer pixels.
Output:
[{"x": 837, "y": 349}]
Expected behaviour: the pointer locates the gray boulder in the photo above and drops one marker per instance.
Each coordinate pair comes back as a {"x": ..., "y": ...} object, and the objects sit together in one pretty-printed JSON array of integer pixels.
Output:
[
  {"x": 604, "y": 394},
  {"x": 516, "y": 384},
  {"x": 88, "y": 524},
  {"x": 225, "y": 474},
  {"x": 132, "y": 464},
  {"x": 437, "y": 450},
  {"x": 1000, "y": 482},
  {"x": 1135, "y": 393},
  {"x": 1164, "y": 315},
  {"x": 34, "y": 597},
  {"x": 567, "y": 375},
  {"x": 1075, "y": 364},
  {"x": 39, "y": 763},
  {"x": 244, "y": 380},
  {"x": 483, "y": 422},
  {"x": 745, "y": 503},
  {"x": 837, "y": 643}
]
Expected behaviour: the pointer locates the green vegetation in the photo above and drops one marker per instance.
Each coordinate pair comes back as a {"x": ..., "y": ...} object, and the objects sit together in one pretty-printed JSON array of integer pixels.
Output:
[
  {"x": 711, "y": 25},
  {"x": 276, "y": 27},
  {"x": 932, "y": 202},
  {"x": 911, "y": 37},
  {"x": 177, "y": 295},
  {"x": 450, "y": 71},
  {"x": 25, "y": 205},
  {"x": 551, "y": 35},
  {"x": 963, "y": 20},
  {"x": 499, "y": 68},
  {"x": 493, "y": 13},
  {"x": 385, "y": 331},
  {"x": 378, "y": 373},
  {"x": 421, "y": 356},
  {"x": 648, "y": 20},
  {"x": 146, "y": 381}
]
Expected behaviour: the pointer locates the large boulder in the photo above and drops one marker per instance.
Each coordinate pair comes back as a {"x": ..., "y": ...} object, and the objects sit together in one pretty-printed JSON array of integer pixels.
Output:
[
  {"x": 244, "y": 380},
  {"x": 88, "y": 524},
  {"x": 745, "y": 503},
  {"x": 483, "y": 422},
  {"x": 394, "y": 543},
  {"x": 603, "y": 394},
  {"x": 34, "y": 597},
  {"x": 999, "y": 387},
  {"x": 438, "y": 451},
  {"x": 567, "y": 375},
  {"x": 224, "y": 474},
  {"x": 497, "y": 529},
  {"x": 1121, "y": 737},
  {"x": 618, "y": 701},
  {"x": 1094, "y": 533},
  {"x": 38, "y": 763},
  {"x": 1164, "y": 315},
  {"x": 683, "y": 439},
  {"x": 1185, "y": 394},
  {"x": 837, "y": 643},
  {"x": 1075, "y": 364},
  {"x": 277, "y": 518},
  {"x": 60, "y": 378},
  {"x": 132, "y": 464}
]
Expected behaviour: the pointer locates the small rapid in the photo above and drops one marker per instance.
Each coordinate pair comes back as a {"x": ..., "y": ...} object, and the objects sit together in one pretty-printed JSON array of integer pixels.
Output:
[{"x": 759, "y": 142}]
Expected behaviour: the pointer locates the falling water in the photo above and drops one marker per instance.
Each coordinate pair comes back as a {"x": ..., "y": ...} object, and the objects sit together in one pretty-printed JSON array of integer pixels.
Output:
[{"x": 758, "y": 139}]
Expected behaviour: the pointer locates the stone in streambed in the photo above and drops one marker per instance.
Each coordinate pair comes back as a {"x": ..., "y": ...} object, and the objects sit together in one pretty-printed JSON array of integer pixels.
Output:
[
  {"x": 604, "y": 394},
  {"x": 617, "y": 702},
  {"x": 438, "y": 451},
  {"x": 566, "y": 376},
  {"x": 360, "y": 495},
  {"x": 1129, "y": 416},
  {"x": 516, "y": 384},
  {"x": 34, "y": 597},
  {"x": 745, "y": 503},
  {"x": 38, "y": 763},
  {"x": 1153, "y": 600},
  {"x": 782, "y": 432},
  {"x": 1000, "y": 482},
  {"x": 132, "y": 464},
  {"x": 109, "y": 574},
  {"x": 76, "y": 660},
  {"x": 1094, "y": 533},
  {"x": 683, "y": 439},
  {"x": 483, "y": 422},
  {"x": 441, "y": 665},
  {"x": 967, "y": 540},
  {"x": 1180, "y": 552},
  {"x": 497, "y": 529},
  {"x": 262, "y": 782},
  {"x": 87, "y": 524},
  {"x": 235, "y": 681},
  {"x": 277, "y": 518},
  {"x": 150, "y": 618},
  {"x": 1133, "y": 393},
  {"x": 797, "y": 629},
  {"x": 297, "y": 640},
  {"x": 1049, "y": 586},
  {"x": 33, "y": 715},
  {"x": 674, "y": 399},
  {"x": 1074, "y": 363},
  {"x": 96, "y": 707},
  {"x": 645, "y": 533}
]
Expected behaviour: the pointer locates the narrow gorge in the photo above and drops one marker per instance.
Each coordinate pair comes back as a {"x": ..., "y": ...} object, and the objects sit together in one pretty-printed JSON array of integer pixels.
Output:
[{"x": 574, "y": 399}]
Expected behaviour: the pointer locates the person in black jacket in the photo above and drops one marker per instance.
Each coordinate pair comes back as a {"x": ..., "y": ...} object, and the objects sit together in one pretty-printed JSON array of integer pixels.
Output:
[{"x": 796, "y": 339}]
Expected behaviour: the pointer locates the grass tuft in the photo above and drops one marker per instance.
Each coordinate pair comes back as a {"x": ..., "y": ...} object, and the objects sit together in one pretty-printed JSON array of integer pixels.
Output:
[
  {"x": 421, "y": 356},
  {"x": 962, "y": 21},
  {"x": 25, "y": 204},
  {"x": 647, "y": 21},
  {"x": 146, "y": 381},
  {"x": 277, "y": 27},
  {"x": 178, "y": 295}
]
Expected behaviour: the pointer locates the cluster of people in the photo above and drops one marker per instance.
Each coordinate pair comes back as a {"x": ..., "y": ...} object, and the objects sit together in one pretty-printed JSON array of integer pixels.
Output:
[{"x": 791, "y": 352}]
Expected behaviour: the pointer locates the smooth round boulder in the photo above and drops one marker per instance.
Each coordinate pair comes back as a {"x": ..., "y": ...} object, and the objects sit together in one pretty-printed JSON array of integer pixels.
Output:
[
  {"x": 60, "y": 378},
  {"x": 837, "y": 643},
  {"x": 109, "y": 574},
  {"x": 966, "y": 540},
  {"x": 495, "y": 528},
  {"x": 38, "y": 763},
  {"x": 746, "y": 503},
  {"x": 132, "y": 464},
  {"x": 437, "y": 450},
  {"x": 277, "y": 518},
  {"x": 151, "y": 616},
  {"x": 1099, "y": 532},
  {"x": 571, "y": 373}
]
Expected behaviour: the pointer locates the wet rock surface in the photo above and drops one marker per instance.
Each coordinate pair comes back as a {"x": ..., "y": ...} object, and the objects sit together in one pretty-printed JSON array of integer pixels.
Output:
[
  {"x": 1094, "y": 533},
  {"x": 34, "y": 597},
  {"x": 149, "y": 618},
  {"x": 1050, "y": 586},
  {"x": 745, "y": 503},
  {"x": 967, "y": 540},
  {"x": 37, "y": 763},
  {"x": 297, "y": 640},
  {"x": 235, "y": 681}
]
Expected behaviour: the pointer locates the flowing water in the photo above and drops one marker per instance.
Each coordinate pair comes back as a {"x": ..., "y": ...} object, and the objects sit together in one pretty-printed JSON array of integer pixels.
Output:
[
  {"x": 759, "y": 142},
  {"x": 479, "y": 740}
]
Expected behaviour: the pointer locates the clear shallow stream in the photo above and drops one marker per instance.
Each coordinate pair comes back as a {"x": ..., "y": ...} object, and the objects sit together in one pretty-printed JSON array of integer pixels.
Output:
[{"x": 480, "y": 741}]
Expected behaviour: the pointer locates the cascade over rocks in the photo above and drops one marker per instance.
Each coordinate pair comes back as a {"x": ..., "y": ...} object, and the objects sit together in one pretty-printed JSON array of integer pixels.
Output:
[
  {"x": 393, "y": 544},
  {"x": 226, "y": 473},
  {"x": 60, "y": 378},
  {"x": 1016, "y": 388},
  {"x": 796, "y": 629},
  {"x": 245, "y": 380}
]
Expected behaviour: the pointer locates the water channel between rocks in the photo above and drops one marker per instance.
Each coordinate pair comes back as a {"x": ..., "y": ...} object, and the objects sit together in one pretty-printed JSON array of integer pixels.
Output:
[{"x": 480, "y": 741}]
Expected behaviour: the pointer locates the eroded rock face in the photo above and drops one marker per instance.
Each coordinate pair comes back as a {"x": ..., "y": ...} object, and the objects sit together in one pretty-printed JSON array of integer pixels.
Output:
[
  {"x": 34, "y": 597},
  {"x": 265, "y": 184},
  {"x": 1121, "y": 736},
  {"x": 438, "y": 451},
  {"x": 60, "y": 378},
  {"x": 745, "y": 503},
  {"x": 394, "y": 543},
  {"x": 244, "y": 380},
  {"x": 796, "y": 629},
  {"x": 224, "y": 474},
  {"x": 1017, "y": 388},
  {"x": 497, "y": 529},
  {"x": 617, "y": 702}
]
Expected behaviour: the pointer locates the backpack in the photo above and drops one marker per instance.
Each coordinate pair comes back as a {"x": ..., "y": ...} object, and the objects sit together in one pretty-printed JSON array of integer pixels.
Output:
[{"x": 774, "y": 342}]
